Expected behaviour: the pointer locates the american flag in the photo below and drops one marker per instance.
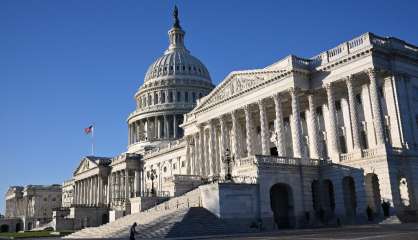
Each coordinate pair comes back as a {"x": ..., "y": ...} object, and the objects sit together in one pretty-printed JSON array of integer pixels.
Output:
[{"x": 88, "y": 129}]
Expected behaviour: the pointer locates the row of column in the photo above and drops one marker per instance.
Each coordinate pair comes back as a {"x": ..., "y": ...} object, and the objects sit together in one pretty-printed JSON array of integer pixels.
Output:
[
  {"x": 120, "y": 185},
  {"x": 157, "y": 127},
  {"x": 204, "y": 158},
  {"x": 162, "y": 97},
  {"x": 90, "y": 191}
]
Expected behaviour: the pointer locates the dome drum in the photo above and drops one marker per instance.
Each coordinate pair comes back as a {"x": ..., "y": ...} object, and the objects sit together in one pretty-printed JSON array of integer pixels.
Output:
[{"x": 172, "y": 86}]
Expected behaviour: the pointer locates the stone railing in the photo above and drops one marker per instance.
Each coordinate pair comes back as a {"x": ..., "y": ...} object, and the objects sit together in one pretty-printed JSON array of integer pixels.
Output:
[
  {"x": 161, "y": 107},
  {"x": 124, "y": 156},
  {"x": 370, "y": 153},
  {"x": 278, "y": 160},
  {"x": 341, "y": 50},
  {"x": 363, "y": 41},
  {"x": 165, "y": 147},
  {"x": 183, "y": 178}
]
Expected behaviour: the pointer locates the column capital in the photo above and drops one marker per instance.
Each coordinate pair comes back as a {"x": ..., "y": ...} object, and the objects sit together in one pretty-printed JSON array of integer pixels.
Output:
[
  {"x": 211, "y": 123},
  {"x": 261, "y": 102},
  {"x": 373, "y": 72},
  {"x": 276, "y": 96},
  {"x": 222, "y": 118},
  {"x": 328, "y": 86},
  {"x": 294, "y": 90},
  {"x": 246, "y": 107}
]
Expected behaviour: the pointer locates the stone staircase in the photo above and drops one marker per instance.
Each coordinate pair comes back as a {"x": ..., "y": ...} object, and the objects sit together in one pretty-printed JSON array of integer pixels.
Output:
[{"x": 178, "y": 217}]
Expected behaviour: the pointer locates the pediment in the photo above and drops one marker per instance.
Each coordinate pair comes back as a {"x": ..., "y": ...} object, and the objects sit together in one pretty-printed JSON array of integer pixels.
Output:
[
  {"x": 236, "y": 83},
  {"x": 85, "y": 165}
]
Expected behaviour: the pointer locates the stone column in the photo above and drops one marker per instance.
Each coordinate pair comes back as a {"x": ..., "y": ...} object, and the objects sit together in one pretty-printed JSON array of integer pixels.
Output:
[
  {"x": 279, "y": 125},
  {"x": 127, "y": 190},
  {"x": 156, "y": 128},
  {"x": 136, "y": 183},
  {"x": 235, "y": 131},
  {"x": 223, "y": 145},
  {"x": 142, "y": 181},
  {"x": 249, "y": 129},
  {"x": 312, "y": 128},
  {"x": 129, "y": 134},
  {"x": 134, "y": 132},
  {"x": 175, "y": 126},
  {"x": 118, "y": 184},
  {"x": 216, "y": 151},
  {"x": 92, "y": 190},
  {"x": 332, "y": 134},
  {"x": 81, "y": 191},
  {"x": 295, "y": 125},
  {"x": 146, "y": 129},
  {"x": 188, "y": 162},
  {"x": 96, "y": 190},
  {"x": 211, "y": 148},
  {"x": 353, "y": 113},
  {"x": 206, "y": 147},
  {"x": 265, "y": 146},
  {"x": 166, "y": 132},
  {"x": 86, "y": 195},
  {"x": 377, "y": 114},
  {"x": 197, "y": 167},
  {"x": 108, "y": 188},
  {"x": 202, "y": 150},
  {"x": 86, "y": 191}
]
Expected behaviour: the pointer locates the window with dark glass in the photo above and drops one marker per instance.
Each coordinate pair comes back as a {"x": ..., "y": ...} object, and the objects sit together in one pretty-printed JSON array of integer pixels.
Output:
[{"x": 178, "y": 96}]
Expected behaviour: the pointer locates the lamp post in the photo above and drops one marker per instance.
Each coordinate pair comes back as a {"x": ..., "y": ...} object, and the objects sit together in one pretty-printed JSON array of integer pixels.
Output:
[
  {"x": 227, "y": 159},
  {"x": 152, "y": 175}
]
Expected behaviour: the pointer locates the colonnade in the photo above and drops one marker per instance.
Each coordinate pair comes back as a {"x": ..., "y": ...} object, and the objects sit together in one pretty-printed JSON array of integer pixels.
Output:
[
  {"x": 155, "y": 128},
  {"x": 125, "y": 184},
  {"x": 90, "y": 191},
  {"x": 206, "y": 148}
]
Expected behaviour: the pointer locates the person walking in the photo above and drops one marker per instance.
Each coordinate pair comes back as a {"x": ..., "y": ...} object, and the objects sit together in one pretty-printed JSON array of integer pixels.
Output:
[{"x": 132, "y": 231}]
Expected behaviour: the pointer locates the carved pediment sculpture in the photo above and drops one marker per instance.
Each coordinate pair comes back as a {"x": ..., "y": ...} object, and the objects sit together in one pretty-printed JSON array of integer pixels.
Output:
[{"x": 236, "y": 83}]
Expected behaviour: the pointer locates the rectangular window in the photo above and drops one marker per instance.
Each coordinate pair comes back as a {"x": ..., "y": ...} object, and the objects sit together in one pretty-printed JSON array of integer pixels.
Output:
[
  {"x": 178, "y": 96},
  {"x": 170, "y": 96},
  {"x": 186, "y": 96}
]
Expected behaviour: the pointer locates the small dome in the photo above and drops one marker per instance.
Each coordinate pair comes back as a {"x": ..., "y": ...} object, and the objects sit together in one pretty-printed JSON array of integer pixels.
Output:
[{"x": 177, "y": 62}]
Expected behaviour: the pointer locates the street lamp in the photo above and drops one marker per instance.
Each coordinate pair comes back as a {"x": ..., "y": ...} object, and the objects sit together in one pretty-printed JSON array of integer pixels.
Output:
[
  {"x": 152, "y": 175},
  {"x": 227, "y": 159}
]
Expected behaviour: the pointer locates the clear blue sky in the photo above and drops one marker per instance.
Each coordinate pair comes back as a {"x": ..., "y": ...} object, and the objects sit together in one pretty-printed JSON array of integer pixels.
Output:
[{"x": 66, "y": 64}]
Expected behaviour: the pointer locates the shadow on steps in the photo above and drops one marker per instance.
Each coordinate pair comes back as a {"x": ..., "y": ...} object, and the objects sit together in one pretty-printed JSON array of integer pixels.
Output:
[{"x": 200, "y": 222}]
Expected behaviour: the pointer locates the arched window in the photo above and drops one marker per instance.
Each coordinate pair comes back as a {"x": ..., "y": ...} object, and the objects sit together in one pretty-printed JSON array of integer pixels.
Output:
[
  {"x": 186, "y": 96},
  {"x": 193, "y": 97},
  {"x": 178, "y": 97},
  {"x": 200, "y": 95}
]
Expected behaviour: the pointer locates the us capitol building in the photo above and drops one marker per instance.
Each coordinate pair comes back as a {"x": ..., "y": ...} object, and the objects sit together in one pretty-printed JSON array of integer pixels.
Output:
[{"x": 302, "y": 142}]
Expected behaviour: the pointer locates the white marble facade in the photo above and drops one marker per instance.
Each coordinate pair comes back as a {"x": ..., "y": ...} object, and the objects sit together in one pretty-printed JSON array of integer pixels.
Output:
[{"x": 336, "y": 133}]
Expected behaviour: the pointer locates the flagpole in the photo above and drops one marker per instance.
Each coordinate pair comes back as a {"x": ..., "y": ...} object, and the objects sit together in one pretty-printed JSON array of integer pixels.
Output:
[{"x": 92, "y": 140}]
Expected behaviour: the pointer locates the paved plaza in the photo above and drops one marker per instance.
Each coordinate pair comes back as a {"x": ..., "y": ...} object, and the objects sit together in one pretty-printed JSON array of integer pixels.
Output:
[{"x": 397, "y": 231}]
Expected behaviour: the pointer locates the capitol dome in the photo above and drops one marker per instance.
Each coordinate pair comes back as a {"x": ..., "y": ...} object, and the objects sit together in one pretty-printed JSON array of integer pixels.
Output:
[
  {"x": 172, "y": 86},
  {"x": 177, "y": 60}
]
